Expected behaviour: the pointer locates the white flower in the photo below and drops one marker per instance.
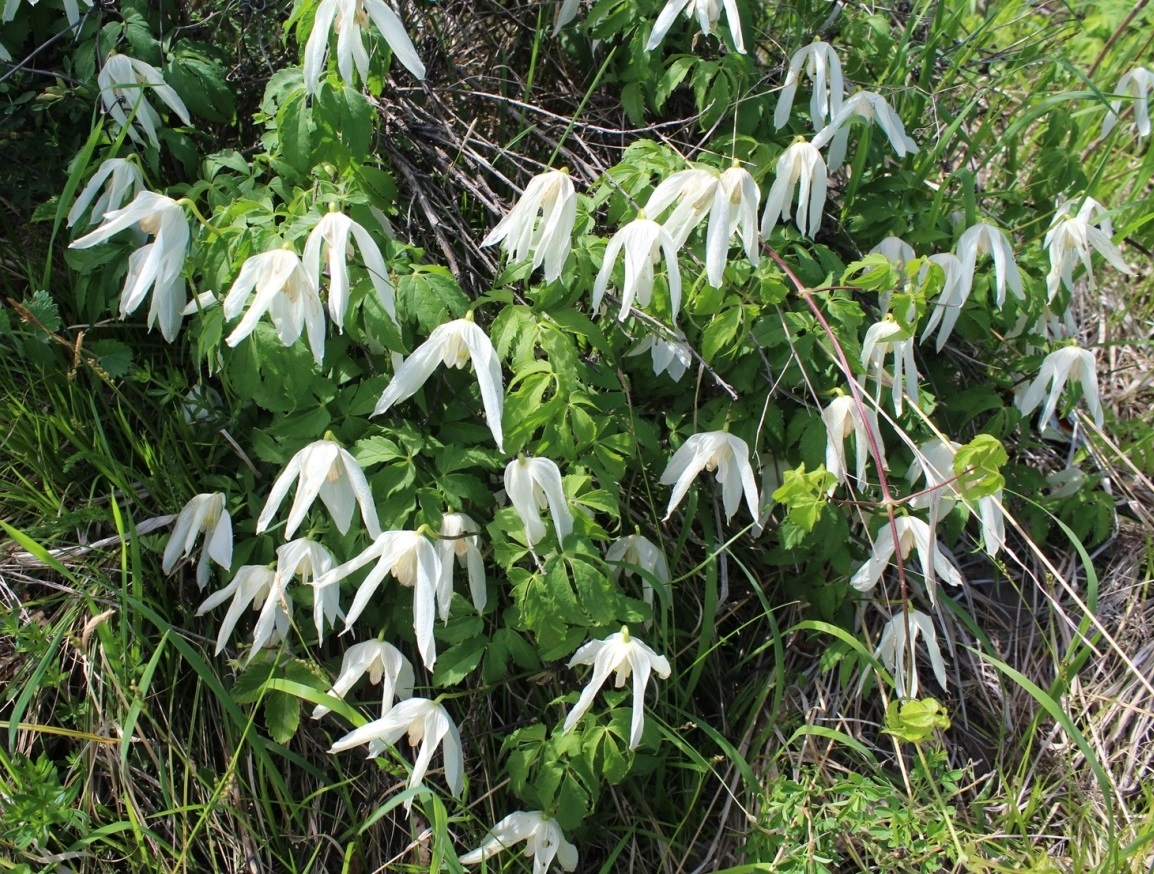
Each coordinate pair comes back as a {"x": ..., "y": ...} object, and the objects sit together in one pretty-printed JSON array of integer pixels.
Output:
[
  {"x": 1137, "y": 84},
  {"x": 840, "y": 418},
  {"x": 385, "y": 665},
  {"x": 329, "y": 243},
  {"x": 258, "y": 586},
  {"x": 453, "y": 344},
  {"x": 949, "y": 302},
  {"x": 691, "y": 193},
  {"x": 543, "y": 837},
  {"x": 708, "y": 13},
  {"x": 71, "y": 10},
  {"x": 713, "y": 450},
  {"x": 895, "y": 250},
  {"x": 872, "y": 107},
  {"x": 413, "y": 561},
  {"x": 1070, "y": 239},
  {"x": 286, "y": 292},
  {"x": 644, "y": 242},
  {"x": 155, "y": 265},
  {"x": 824, "y": 68},
  {"x": 801, "y": 165},
  {"x": 309, "y": 560},
  {"x": 734, "y": 210},
  {"x": 548, "y": 240},
  {"x": 911, "y": 532},
  {"x": 1060, "y": 366},
  {"x": 462, "y": 547},
  {"x": 625, "y": 656},
  {"x": 351, "y": 18},
  {"x": 327, "y": 470},
  {"x": 206, "y": 513},
  {"x": 986, "y": 238},
  {"x": 670, "y": 354},
  {"x": 637, "y": 553},
  {"x": 934, "y": 460},
  {"x": 532, "y": 484},
  {"x": 121, "y": 179},
  {"x": 122, "y": 82},
  {"x": 566, "y": 12},
  {"x": 426, "y": 723},
  {"x": 896, "y": 650},
  {"x": 881, "y": 339}
]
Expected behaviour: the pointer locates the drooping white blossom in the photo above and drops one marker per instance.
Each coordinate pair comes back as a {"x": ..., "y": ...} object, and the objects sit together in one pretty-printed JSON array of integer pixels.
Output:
[
  {"x": 156, "y": 265},
  {"x": 308, "y": 560},
  {"x": 841, "y": 418},
  {"x": 1069, "y": 241},
  {"x": 385, "y": 665},
  {"x": 934, "y": 460},
  {"x": 540, "y": 224},
  {"x": 911, "y": 533},
  {"x": 734, "y": 210},
  {"x": 206, "y": 513},
  {"x": 823, "y": 66},
  {"x": 669, "y": 353},
  {"x": 329, "y": 247},
  {"x": 544, "y": 841},
  {"x": 947, "y": 306},
  {"x": 633, "y": 553},
  {"x": 691, "y": 194},
  {"x": 124, "y": 83},
  {"x": 453, "y": 344},
  {"x": 1058, "y": 368},
  {"x": 426, "y": 723},
  {"x": 873, "y": 108},
  {"x": 254, "y": 586},
  {"x": 350, "y": 19},
  {"x": 895, "y": 649},
  {"x": 643, "y": 242},
  {"x": 986, "y": 238},
  {"x": 707, "y": 12},
  {"x": 322, "y": 469},
  {"x": 461, "y": 545},
  {"x": 122, "y": 180},
  {"x": 286, "y": 292},
  {"x": 1136, "y": 84},
  {"x": 885, "y": 338},
  {"x": 800, "y": 165},
  {"x": 533, "y": 484},
  {"x": 713, "y": 450},
  {"x": 624, "y": 656}
]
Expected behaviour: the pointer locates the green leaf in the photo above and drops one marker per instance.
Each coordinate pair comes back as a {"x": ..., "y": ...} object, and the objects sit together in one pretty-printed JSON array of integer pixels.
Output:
[
  {"x": 200, "y": 81},
  {"x": 978, "y": 466},
  {"x": 295, "y": 125},
  {"x": 457, "y": 662},
  {"x": 633, "y": 102},
  {"x": 43, "y": 309},
  {"x": 915, "y": 721},
  {"x": 673, "y": 77},
  {"x": 432, "y": 295},
  {"x": 282, "y": 714},
  {"x": 114, "y": 357},
  {"x": 720, "y": 333}
]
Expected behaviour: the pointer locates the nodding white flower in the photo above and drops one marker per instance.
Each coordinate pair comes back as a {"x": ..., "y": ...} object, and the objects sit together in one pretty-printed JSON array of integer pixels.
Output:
[
  {"x": 154, "y": 265},
  {"x": 911, "y": 533},
  {"x": 986, "y": 238},
  {"x": 881, "y": 339},
  {"x": 566, "y": 12},
  {"x": 708, "y": 13},
  {"x": 426, "y": 723},
  {"x": 669, "y": 353},
  {"x": 209, "y": 514},
  {"x": 122, "y": 82},
  {"x": 547, "y": 239},
  {"x": 350, "y": 19},
  {"x": 326, "y": 470},
  {"x": 934, "y": 460},
  {"x": 1137, "y": 84},
  {"x": 453, "y": 344},
  {"x": 544, "y": 841},
  {"x": 637, "y": 553},
  {"x": 385, "y": 665},
  {"x": 823, "y": 66},
  {"x": 463, "y": 547},
  {"x": 329, "y": 243},
  {"x": 624, "y": 655},
  {"x": 121, "y": 179},
  {"x": 713, "y": 450},
  {"x": 258, "y": 586},
  {"x": 895, "y": 250},
  {"x": 1060, "y": 366},
  {"x": 872, "y": 107},
  {"x": 896, "y": 650},
  {"x": 1069, "y": 240},
  {"x": 71, "y": 10},
  {"x": 286, "y": 292},
  {"x": 533, "y": 484},
  {"x": 691, "y": 193},
  {"x": 309, "y": 560},
  {"x": 413, "y": 561},
  {"x": 734, "y": 210},
  {"x": 801, "y": 164},
  {"x": 644, "y": 241},
  {"x": 949, "y": 302},
  {"x": 842, "y": 416}
]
